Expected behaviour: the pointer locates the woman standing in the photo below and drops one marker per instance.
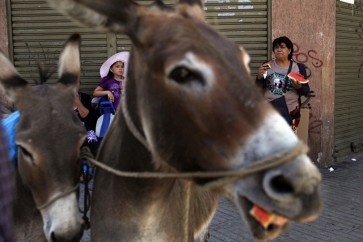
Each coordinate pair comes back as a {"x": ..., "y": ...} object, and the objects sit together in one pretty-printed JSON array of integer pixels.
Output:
[{"x": 278, "y": 87}]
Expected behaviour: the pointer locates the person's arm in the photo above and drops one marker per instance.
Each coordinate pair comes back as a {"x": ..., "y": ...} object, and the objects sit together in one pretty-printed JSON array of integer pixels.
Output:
[
  {"x": 260, "y": 79},
  {"x": 82, "y": 110},
  {"x": 87, "y": 114},
  {"x": 99, "y": 92},
  {"x": 304, "y": 89},
  {"x": 301, "y": 89}
]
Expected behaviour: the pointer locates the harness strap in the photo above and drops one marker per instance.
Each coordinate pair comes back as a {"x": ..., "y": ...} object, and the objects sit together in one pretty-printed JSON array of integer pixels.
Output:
[
  {"x": 130, "y": 123},
  {"x": 46, "y": 204},
  {"x": 225, "y": 176}
]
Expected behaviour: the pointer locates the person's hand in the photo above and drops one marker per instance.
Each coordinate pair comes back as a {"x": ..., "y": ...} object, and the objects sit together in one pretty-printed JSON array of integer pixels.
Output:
[
  {"x": 82, "y": 110},
  {"x": 295, "y": 84},
  {"x": 261, "y": 71},
  {"x": 110, "y": 96},
  {"x": 77, "y": 102}
]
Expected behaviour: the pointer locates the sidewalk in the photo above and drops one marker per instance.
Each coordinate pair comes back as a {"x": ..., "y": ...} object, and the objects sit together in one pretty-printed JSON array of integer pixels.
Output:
[{"x": 341, "y": 219}]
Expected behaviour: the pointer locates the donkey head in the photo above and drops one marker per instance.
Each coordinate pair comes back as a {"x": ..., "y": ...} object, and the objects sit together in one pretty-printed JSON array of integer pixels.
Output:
[
  {"x": 49, "y": 136},
  {"x": 190, "y": 94}
]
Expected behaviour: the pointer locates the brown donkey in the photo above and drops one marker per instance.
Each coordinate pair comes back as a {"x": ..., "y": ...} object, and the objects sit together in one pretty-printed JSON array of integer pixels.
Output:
[
  {"x": 48, "y": 136},
  {"x": 190, "y": 106}
]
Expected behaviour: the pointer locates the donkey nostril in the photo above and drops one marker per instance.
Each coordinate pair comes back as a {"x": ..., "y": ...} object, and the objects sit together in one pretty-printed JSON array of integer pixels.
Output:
[
  {"x": 52, "y": 237},
  {"x": 278, "y": 186},
  {"x": 281, "y": 185},
  {"x": 74, "y": 235}
]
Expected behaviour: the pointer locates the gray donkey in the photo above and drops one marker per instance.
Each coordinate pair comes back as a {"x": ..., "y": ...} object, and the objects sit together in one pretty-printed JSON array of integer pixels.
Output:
[{"x": 48, "y": 137}]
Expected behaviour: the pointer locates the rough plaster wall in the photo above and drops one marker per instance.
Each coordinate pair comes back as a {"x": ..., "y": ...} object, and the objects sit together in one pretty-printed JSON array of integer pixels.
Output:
[
  {"x": 4, "y": 43},
  {"x": 3, "y": 28},
  {"x": 310, "y": 24}
]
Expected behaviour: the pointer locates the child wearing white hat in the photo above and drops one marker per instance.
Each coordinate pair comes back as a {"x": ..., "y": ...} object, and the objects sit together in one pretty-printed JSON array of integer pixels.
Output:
[{"x": 113, "y": 74}]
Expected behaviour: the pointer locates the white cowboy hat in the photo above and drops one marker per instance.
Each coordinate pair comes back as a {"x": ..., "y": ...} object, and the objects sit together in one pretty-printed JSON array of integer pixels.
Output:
[{"x": 121, "y": 56}]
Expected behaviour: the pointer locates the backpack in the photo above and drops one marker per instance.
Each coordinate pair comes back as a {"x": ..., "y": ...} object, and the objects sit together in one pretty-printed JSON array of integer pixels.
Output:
[
  {"x": 302, "y": 69},
  {"x": 305, "y": 71}
]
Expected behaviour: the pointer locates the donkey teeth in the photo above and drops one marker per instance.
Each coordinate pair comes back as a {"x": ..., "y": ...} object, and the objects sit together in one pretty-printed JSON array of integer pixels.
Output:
[{"x": 266, "y": 218}]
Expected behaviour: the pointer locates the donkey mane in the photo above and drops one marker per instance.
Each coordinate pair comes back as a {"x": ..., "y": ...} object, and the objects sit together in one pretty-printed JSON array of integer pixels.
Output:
[
  {"x": 44, "y": 75},
  {"x": 161, "y": 5},
  {"x": 5, "y": 108}
]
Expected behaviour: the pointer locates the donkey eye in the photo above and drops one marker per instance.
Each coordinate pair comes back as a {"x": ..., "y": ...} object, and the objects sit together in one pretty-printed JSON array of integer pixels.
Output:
[
  {"x": 183, "y": 75},
  {"x": 26, "y": 154}
]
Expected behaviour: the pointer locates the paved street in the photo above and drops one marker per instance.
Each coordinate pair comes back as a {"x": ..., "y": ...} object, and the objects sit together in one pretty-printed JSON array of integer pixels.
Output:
[{"x": 341, "y": 219}]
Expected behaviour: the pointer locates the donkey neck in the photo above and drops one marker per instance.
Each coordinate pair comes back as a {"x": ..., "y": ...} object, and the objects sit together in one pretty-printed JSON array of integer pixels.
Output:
[
  {"x": 28, "y": 222},
  {"x": 122, "y": 151},
  {"x": 156, "y": 204}
]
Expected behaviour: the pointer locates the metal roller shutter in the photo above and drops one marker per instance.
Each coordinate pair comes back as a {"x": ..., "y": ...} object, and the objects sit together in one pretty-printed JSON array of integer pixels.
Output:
[
  {"x": 246, "y": 23},
  {"x": 348, "y": 128},
  {"x": 38, "y": 33},
  {"x": 243, "y": 21}
]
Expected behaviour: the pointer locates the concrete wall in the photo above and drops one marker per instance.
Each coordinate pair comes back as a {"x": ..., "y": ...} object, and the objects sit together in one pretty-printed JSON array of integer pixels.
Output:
[
  {"x": 4, "y": 38},
  {"x": 310, "y": 24},
  {"x": 4, "y": 42}
]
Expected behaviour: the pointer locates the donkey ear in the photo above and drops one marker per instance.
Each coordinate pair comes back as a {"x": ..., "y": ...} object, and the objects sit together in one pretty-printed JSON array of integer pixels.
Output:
[
  {"x": 102, "y": 15},
  {"x": 245, "y": 59},
  {"x": 10, "y": 81},
  {"x": 69, "y": 66},
  {"x": 191, "y": 8}
]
